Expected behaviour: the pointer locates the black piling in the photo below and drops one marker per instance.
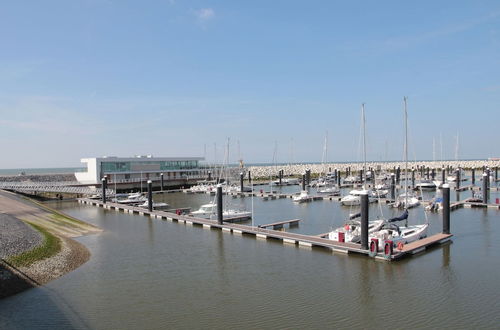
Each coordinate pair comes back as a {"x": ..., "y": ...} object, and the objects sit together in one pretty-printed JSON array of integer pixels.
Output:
[
  {"x": 364, "y": 221},
  {"x": 104, "y": 185},
  {"x": 161, "y": 181},
  {"x": 303, "y": 182},
  {"x": 458, "y": 178},
  {"x": 393, "y": 187},
  {"x": 280, "y": 176},
  {"x": 209, "y": 176},
  {"x": 241, "y": 182},
  {"x": 338, "y": 178},
  {"x": 249, "y": 177},
  {"x": 361, "y": 176},
  {"x": 150, "y": 195},
  {"x": 433, "y": 174},
  {"x": 413, "y": 178},
  {"x": 219, "y": 204},
  {"x": 308, "y": 176},
  {"x": 446, "y": 208},
  {"x": 473, "y": 176},
  {"x": 398, "y": 174},
  {"x": 496, "y": 174},
  {"x": 443, "y": 175},
  {"x": 485, "y": 188}
]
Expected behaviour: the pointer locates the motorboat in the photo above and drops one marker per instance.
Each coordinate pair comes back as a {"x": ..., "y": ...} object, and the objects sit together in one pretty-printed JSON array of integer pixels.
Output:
[
  {"x": 210, "y": 210},
  {"x": 426, "y": 185},
  {"x": 331, "y": 191},
  {"x": 156, "y": 205},
  {"x": 354, "y": 197},
  {"x": 381, "y": 193},
  {"x": 286, "y": 182},
  {"x": 302, "y": 197}
]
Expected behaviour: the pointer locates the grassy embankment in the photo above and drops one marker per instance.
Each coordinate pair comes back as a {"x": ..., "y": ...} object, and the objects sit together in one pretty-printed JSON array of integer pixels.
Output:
[{"x": 51, "y": 246}]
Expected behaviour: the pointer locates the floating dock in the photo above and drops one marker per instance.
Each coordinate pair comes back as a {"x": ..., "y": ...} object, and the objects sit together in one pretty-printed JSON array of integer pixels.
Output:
[{"x": 264, "y": 233}]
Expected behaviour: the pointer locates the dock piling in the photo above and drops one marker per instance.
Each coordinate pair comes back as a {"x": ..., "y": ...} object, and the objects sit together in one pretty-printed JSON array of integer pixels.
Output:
[
  {"x": 161, "y": 181},
  {"x": 473, "y": 176},
  {"x": 303, "y": 182},
  {"x": 413, "y": 178},
  {"x": 458, "y": 178},
  {"x": 485, "y": 188},
  {"x": 393, "y": 187},
  {"x": 446, "y": 208},
  {"x": 443, "y": 175},
  {"x": 364, "y": 221},
  {"x": 219, "y": 204},
  {"x": 241, "y": 181},
  {"x": 104, "y": 186},
  {"x": 150, "y": 195}
]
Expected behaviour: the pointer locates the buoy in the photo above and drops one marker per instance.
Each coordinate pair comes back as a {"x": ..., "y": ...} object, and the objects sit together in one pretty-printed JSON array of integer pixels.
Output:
[
  {"x": 374, "y": 246},
  {"x": 400, "y": 245}
]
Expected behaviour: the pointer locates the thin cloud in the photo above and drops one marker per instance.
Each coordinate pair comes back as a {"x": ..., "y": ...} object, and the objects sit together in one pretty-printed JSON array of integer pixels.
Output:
[{"x": 205, "y": 14}]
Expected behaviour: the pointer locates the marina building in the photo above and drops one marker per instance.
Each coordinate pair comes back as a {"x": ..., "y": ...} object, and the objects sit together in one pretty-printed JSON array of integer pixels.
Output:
[{"x": 137, "y": 169}]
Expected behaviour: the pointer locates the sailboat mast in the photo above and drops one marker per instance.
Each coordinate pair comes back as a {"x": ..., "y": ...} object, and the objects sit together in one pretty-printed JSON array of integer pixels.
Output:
[
  {"x": 406, "y": 157},
  {"x": 364, "y": 139}
]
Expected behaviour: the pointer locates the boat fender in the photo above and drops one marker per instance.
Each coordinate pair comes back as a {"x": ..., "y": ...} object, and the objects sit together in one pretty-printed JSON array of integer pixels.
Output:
[
  {"x": 388, "y": 248},
  {"x": 346, "y": 227},
  {"x": 373, "y": 247},
  {"x": 400, "y": 245}
]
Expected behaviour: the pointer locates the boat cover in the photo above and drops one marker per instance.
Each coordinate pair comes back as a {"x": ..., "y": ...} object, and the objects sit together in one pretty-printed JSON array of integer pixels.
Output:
[{"x": 403, "y": 216}]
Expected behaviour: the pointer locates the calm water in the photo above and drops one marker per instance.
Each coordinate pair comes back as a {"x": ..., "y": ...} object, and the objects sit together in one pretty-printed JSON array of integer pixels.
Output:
[{"x": 149, "y": 274}]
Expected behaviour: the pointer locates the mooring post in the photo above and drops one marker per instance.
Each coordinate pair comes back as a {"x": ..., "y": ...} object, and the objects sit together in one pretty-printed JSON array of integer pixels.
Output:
[
  {"x": 280, "y": 176},
  {"x": 303, "y": 182},
  {"x": 446, "y": 208},
  {"x": 209, "y": 176},
  {"x": 433, "y": 174},
  {"x": 364, "y": 221},
  {"x": 308, "y": 176},
  {"x": 104, "y": 185},
  {"x": 458, "y": 178},
  {"x": 413, "y": 178},
  {"x": 219, "y": 204},
  {"x": 241, "y": 182},
  {"x": 150, "y": 195},
  {"x": 398, "y": 174},
  {"x": 428, "y": 172},
  {"x": 161, "y": 181},
  {"x": 473, "y": 176},
  {"x": 249, "y": 177},
  {"x": 485, "y": 188},
  {"x": 393, "y": 187},
  {"x": 443, "y": 175},
  {"x": 338, "y": 178},
  {"x": 496, "y": 174},
  {"x": 361, "y": 176}
]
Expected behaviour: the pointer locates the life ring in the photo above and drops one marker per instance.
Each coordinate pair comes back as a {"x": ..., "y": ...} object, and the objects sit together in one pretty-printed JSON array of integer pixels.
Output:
[{"x": 401, "y": 245}]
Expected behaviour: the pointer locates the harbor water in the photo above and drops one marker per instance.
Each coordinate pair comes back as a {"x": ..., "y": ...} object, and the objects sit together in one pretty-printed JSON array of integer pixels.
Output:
[{"x": 149, "y": 273}]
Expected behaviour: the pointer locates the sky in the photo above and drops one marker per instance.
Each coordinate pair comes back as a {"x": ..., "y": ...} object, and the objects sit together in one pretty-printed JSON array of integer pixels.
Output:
[{"x": 180, "y": 78}]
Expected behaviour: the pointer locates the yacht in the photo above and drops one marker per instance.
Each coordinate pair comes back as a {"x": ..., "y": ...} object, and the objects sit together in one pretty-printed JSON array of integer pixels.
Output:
[
  {"x": 156, "y": 205},
  {"x": 406, "y": 201},
  {"x": 354, "y": 197},
  {"x": 426, "y": 185},
  {"x": 302, "y": 197},
  {"x": 210, "y": 210}
]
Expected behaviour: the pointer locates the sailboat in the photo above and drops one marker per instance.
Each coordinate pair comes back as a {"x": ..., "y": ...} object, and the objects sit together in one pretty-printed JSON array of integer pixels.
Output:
[
  {"x": 209, "y": 210},
  {"x": 400, "y": 235},
  {"x": 354, "y": 197}
]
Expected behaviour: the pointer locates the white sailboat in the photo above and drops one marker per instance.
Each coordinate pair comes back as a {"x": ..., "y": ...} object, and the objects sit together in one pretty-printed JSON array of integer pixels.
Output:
[
  {"x": 354, "y": 197},
  {"x": 400, "y": 235}
]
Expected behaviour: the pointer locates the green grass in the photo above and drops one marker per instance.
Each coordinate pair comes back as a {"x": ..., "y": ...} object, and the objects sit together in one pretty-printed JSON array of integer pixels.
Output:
[{"x": 51, "y": 246}]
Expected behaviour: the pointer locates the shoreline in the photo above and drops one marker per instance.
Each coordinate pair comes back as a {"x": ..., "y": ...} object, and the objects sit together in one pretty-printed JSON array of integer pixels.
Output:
[{"x": 71, "y": 255}]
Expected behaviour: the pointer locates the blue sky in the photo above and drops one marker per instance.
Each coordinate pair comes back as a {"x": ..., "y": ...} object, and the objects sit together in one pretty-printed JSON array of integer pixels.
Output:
[{"x": 91, "y": 78}]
